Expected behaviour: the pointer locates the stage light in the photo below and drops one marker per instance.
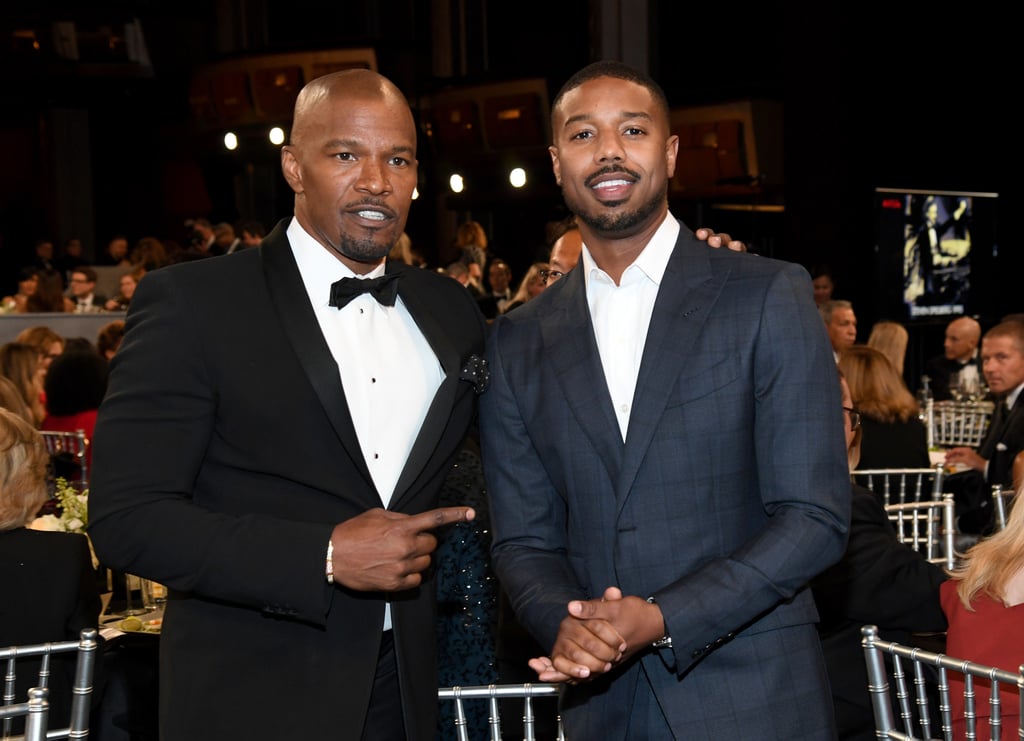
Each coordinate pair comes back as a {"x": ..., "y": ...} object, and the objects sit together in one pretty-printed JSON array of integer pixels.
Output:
[
  {"x": 277, "y": 135},
  {"x": 231, "y": 141},
  {"x": 456, "y": 183},
  {"x": 517, "y": 177}
]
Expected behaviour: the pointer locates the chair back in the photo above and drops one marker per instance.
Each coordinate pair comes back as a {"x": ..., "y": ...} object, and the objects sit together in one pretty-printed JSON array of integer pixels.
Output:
[
  {"x": 81, "y": 687},
  {"x": 902, "y": 485},
  {"x": 34, "y": 712},
  {"x": 67, "y": 451},
  {"x": 929, "y": 527},
  {"x": 492, "y": 694},
  {"x": 920, "y": 677},
  {"x": 959, "y": 423},
  {"x": 1001, "y": 502}
]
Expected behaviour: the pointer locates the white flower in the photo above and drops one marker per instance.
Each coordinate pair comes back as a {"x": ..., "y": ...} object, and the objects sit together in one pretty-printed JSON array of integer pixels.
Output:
[{"x": 74, "y": 516}]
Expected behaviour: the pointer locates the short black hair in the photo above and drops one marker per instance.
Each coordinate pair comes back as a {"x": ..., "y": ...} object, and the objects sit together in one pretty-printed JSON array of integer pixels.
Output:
[{"x": 618, "y": 70}]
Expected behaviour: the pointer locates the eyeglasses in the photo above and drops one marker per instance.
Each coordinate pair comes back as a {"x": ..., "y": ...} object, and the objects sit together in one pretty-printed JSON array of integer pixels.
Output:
[
  {"x": 854, "y": 418},
  {"x": 551, "y": 275}
]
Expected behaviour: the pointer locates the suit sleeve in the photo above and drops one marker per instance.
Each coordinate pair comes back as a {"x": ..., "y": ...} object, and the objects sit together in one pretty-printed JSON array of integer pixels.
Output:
[
  {"x": 151, "y": 440},
  {"x": 530, "y": 561},
  {"x": 799, "y": 485}
]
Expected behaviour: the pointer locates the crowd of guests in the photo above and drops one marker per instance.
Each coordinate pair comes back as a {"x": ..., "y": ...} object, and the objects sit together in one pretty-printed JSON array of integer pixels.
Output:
[
  {"x": 67, "y": 282},
  {"x": 51, "y": 382}
]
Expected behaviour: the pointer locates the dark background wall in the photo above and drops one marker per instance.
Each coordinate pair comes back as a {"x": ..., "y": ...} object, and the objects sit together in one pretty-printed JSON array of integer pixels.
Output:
[{"x": 912, "y": 96}]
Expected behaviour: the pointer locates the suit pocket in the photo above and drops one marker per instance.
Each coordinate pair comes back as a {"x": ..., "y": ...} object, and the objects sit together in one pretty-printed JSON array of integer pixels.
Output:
[{"x": 697, "y": 383}]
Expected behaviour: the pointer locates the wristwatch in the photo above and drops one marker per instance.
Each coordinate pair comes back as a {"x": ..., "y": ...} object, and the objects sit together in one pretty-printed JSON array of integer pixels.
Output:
[{"x": 666, "y": 640}]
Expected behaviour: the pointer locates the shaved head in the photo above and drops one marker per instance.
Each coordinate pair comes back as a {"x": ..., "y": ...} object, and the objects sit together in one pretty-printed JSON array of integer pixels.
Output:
[
  {"x": 351, "y": 162},
  {"x": 352, "y": 85}
]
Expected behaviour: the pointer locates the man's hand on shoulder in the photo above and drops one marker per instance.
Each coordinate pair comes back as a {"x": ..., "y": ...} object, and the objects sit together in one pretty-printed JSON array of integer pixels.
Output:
[{"x": 722, "y": 239}]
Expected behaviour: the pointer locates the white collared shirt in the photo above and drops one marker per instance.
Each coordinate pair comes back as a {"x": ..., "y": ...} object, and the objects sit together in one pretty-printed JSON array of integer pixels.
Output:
[
  {"x": 622, "y": 314},
  {"x": 387, "y": 368}
]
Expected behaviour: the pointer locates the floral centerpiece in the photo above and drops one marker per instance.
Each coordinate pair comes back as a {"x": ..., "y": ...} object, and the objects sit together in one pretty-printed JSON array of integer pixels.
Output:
[{"x": 73, "y": 514}]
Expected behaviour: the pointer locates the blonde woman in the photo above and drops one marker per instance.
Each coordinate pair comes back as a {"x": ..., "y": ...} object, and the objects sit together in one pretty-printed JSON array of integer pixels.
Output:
[
  {"x": 894, "y": 436},
  {"x": 890, "y": 338},
  {"x": 984, "y": 604}
]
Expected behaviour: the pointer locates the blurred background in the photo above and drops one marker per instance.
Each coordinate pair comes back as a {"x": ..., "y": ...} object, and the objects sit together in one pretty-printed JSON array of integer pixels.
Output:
[{"x": 114, "y": 119}]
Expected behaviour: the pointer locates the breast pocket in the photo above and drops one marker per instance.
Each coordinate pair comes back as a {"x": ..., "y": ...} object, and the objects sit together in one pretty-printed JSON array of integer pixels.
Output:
[{"x": 694, "y": 385}]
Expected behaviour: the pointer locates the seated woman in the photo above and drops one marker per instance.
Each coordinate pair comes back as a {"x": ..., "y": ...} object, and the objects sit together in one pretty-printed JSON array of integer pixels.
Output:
[
  {"x": 75, "y": 386},
  {"x": 893, "y": 434},
  {"x": 984, "y": 603},
  {"x": 28, "y": 280},
  {"x": 46, "y": 577}
]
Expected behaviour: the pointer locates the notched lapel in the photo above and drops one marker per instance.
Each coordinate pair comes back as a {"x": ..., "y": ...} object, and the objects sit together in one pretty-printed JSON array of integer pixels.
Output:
[
  {"x": 688, "y": 292},
  {"x": 569, "y": 345}
]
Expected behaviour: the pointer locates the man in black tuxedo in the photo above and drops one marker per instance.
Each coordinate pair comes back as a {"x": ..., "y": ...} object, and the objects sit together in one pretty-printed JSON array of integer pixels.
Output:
[
  {"x": 272, "y": 447},
  {"x": 1002, "y": 355},
  {"x": 960, "y": 357}
]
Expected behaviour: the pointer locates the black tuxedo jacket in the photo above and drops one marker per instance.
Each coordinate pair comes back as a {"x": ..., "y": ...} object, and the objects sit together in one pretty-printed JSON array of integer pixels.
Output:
[
  {"x": 1003, "y": 440},
  {"x": 49, "y": 594},
  {"x": 939, "y": 369},
  {"x": 224, "y": 455},
  {"x": 878, "y": 580}
]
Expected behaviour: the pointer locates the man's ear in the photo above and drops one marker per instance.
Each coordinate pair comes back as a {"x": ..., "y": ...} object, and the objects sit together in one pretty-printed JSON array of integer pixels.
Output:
[
  {"x": 671, "y": 152},
  {"x": 556, "y": 165},
  {"x": 291, "y": 169}
]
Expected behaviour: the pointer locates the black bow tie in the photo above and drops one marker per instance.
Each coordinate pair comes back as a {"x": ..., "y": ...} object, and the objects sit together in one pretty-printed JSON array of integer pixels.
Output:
[{"x": 384, "y": 289}]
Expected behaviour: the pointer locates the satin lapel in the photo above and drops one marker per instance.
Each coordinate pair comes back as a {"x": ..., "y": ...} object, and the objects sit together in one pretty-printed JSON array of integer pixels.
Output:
[
  {"x": 300, "y": 324},
  {"x": 687, "y": 293},
  {"x": 440, "y": 409},
  {"x": 569, "y": 345}
]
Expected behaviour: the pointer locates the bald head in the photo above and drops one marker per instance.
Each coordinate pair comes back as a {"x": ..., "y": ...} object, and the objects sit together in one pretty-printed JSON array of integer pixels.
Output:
[
  {"x": 962, "y": 337},
  {"x": 350, "y": 85},
  {"x": 352, "y": 164}
]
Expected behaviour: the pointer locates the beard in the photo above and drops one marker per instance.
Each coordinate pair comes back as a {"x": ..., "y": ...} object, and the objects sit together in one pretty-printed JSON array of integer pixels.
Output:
[
  {"x": 616, "y": 222},
  {"x": 363, "y": 250}
]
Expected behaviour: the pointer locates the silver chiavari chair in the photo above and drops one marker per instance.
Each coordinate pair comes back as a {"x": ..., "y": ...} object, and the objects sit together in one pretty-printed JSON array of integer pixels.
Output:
[
  {"x": 920, "y": 709},
  {"x": 492, "y": 694},
  {"x": 37, "y": 712}
]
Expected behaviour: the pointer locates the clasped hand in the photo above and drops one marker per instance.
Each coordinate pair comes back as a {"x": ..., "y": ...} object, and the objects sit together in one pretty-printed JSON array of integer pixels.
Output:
[
  {"x": 382, "y": 551},
  {"x": 597, "y": 635}
]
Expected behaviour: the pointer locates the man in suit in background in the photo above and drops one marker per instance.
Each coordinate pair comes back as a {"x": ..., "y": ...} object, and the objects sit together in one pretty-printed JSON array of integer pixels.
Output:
[
  {"x": 1002, "y": 357},
  {"x": 878, "y": 580},
  {"x": 840, "y": 323},
  {"x": 663, "y": 450},
  {"x": 960, "y": 357},
  {"x": 272, "y": 447}
]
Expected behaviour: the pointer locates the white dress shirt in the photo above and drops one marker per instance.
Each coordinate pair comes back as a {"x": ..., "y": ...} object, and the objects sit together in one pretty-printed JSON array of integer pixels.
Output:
[
  {"x": 622, "y": 314},
  {"x": 386, "y": 366}
]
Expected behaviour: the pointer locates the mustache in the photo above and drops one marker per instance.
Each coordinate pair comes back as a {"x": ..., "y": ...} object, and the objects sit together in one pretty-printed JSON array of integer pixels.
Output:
[
  {"x": 376, "y": 203},
  {"x": 610, "y": 169}
]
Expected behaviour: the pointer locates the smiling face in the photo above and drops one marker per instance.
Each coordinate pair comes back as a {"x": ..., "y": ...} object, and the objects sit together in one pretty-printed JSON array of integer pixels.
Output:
[
  {"x": 352, "y": 165},
  {"x": 613, "y": 156}
]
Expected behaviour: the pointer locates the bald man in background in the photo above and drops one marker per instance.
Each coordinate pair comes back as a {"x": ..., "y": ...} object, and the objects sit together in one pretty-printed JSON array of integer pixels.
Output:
[{"x": 960, "y": 356}]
